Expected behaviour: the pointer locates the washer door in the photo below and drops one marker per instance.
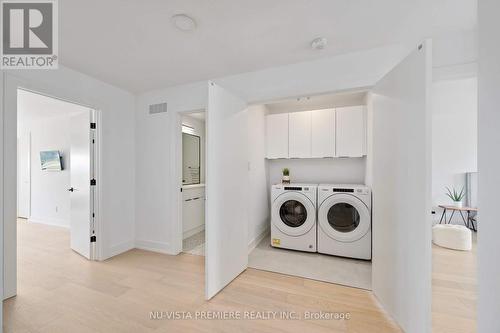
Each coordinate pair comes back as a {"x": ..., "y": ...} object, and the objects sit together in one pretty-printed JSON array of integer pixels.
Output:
[
  {"x": 344, "y": 217},
  {"x": 293, "y": 213}
]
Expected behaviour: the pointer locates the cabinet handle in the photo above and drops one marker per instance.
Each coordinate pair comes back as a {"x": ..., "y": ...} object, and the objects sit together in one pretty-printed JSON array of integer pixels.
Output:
[{"x": 188, "y": 199}]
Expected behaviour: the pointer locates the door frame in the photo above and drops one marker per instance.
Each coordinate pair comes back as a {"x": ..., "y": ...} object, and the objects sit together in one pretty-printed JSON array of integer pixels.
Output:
[
  {"x": 29, "y": 173},
  {"x": 11, "y": 85},
  {"x": 176, "y": 176}
]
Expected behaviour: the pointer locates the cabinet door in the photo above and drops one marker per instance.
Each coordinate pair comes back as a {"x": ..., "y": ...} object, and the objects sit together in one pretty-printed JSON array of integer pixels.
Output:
[
  {"x": 277, "y": 135},
  {"x": 323, "y": 133},
  {"x": 300, "y": 134},
  {"x": 350, "y": 131}
]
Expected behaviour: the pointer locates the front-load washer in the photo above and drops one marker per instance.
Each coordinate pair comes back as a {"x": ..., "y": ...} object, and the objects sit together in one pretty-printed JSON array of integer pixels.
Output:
[
  {"x": 293, "y": 216},
  {"x": 344, "y": 221}
]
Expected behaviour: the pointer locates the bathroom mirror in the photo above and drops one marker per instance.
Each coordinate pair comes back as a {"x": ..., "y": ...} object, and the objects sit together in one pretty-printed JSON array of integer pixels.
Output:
[{"x": 190, "y": 159}]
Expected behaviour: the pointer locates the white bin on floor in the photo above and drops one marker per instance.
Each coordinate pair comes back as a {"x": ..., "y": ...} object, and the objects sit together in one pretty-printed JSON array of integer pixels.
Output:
[{"x": 456, "y": 237}]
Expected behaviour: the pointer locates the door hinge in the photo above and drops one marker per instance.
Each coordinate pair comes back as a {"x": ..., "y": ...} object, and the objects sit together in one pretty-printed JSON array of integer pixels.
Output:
[
  {"x": 93, "y": 182},
  {"x": 92, "y": 239},
  {"x": 92, "y": 125}
]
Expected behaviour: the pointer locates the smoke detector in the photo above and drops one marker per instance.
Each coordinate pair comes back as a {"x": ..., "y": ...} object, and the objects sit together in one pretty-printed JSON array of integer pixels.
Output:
[
  {"x": 184, "y": 22},
  {"x": 319, "y": 43}
]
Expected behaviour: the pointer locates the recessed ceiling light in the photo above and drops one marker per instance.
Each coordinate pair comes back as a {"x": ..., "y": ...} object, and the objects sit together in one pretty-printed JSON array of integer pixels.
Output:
[
  {"x": 319, "y": 43},
  {"x": 184, "y": 22}
]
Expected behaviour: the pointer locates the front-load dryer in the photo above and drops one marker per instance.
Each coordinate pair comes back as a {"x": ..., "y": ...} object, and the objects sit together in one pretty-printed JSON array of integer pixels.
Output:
[
  {"x": 293, "y": 216},
  {"x": 344, "y": 221}
]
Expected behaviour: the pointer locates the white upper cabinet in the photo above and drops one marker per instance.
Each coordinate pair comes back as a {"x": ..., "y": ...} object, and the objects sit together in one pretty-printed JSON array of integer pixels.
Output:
[
  {"x": 336, "y": 132},
  {"x": 323, "y": 133},
  {"x": 350, "y": 131},
  {"x": 277, "y": 135},
  {"x": 300, "y": 134}
]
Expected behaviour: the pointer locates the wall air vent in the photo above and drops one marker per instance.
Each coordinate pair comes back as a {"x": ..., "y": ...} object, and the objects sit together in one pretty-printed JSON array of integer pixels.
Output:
[{"x": 158, "y": 108}]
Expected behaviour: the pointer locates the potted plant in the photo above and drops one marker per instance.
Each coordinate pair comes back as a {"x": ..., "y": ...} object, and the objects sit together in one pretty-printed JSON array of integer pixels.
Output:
[
  {"x": 286, "y": 176},
  {"x": 455, "y": 196}
]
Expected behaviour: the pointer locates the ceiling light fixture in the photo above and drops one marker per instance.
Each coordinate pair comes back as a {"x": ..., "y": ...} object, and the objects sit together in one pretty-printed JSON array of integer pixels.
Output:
[
  {"x": 183, "y": 22},
  {"x": 319, "y": 43}
]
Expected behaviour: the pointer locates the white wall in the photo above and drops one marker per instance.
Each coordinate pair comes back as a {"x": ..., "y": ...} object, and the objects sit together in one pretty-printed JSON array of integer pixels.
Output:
[
  {"x": 199, "y": 130},
  {"x": 316, "y": 171},
  {"x": 488, "y": 167},
  {"x": 156, "y": 163},
  {"x": 317, "y": 102},
  {"x": 454, "y": 137},
  {"x": 46, "y": 121},
  {"x": 258, "y": 190},
  {"x": 50, "y": 199}
]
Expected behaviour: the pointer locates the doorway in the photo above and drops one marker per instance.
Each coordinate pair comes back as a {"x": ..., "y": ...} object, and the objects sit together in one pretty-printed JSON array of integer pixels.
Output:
[
  {"x": 193, "y": 133},
  {"x": 57, "y": 181},
  {"x": 454, "y": 203}
]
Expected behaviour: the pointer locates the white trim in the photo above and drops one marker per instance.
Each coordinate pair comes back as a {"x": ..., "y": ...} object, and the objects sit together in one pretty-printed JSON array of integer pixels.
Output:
[
  {"x": 252, "y": 244},
  {"x": 99, "y": 245},
  {"x": 154, "y": 246},
  {"x": 117, "y": 249},
  {"x": 63, "y": 223},
  {"x": 176, "y": 179},
  {"x": 191, "y": 232}
]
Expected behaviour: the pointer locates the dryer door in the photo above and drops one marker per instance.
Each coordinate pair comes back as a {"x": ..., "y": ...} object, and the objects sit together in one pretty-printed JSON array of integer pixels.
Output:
[
  {"x": 293, "y": 213},
  {"x": 344, "y": 217}
]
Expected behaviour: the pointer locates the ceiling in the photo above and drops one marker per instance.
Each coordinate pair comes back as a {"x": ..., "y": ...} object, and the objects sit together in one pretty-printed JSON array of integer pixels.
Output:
[{"x": 134, "y": 45}]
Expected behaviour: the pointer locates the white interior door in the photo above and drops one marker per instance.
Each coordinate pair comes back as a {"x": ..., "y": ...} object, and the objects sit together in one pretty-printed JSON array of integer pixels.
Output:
[
  {"x": 401, "y": 191},
  {"x": 24, "y": 175},
  {"x": 226, "y": 189},
  {"x": 81, "y": 172}
]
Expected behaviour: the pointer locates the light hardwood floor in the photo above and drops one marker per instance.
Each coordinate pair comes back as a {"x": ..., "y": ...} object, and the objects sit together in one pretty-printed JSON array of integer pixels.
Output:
[
  {"x": 454, "y": 290},
  {"x": 59, "y": 291}
]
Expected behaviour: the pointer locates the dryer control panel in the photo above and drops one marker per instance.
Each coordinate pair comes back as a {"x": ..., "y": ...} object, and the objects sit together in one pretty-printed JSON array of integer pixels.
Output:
[
  {"x": 357, "y": 190},
  {"x": 295, "y": 188}
]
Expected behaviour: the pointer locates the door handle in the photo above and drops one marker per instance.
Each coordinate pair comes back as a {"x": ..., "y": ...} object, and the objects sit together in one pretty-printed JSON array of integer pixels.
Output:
[{"x": 71, "y": 189}]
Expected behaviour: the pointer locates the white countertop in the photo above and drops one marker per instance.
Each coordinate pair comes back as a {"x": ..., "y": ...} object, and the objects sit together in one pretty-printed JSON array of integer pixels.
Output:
[{"x": 187, "y": 187}]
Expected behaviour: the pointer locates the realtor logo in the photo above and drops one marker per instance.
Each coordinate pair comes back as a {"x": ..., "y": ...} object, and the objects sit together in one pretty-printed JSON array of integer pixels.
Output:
[{"x": 29, "y": 34}]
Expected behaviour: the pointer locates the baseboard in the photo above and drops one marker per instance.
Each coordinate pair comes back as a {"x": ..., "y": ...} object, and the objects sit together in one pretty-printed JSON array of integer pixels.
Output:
[
  {"x": 117, "y": 249},
  {"x": 193, "y": 231},
  {"x": 53, "y": 222},
  {"x": 263, "y": 233},
  {"x": 154, "y": 246}
]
